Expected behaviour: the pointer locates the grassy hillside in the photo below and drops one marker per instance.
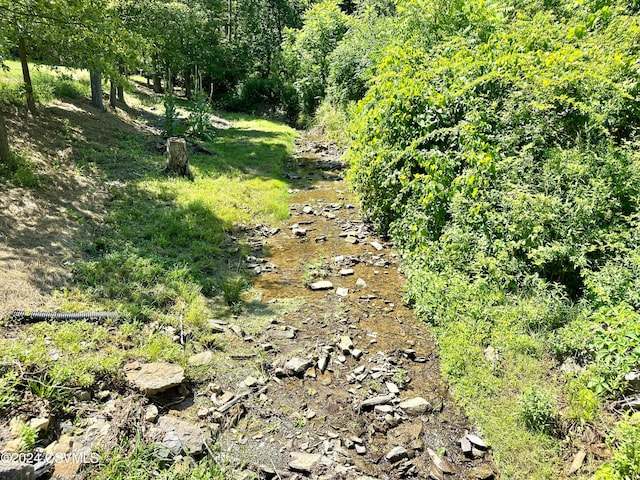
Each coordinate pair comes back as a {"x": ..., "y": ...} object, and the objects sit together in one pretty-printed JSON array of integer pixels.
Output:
[{"x": 163, "y": 252}]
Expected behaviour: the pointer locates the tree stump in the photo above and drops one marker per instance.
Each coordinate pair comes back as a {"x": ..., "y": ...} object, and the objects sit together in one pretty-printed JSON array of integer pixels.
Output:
[{"x": 177, "y": 161}]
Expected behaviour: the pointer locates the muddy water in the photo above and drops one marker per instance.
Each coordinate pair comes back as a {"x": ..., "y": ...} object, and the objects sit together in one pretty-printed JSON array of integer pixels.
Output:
[{"x": 319, "y": 412}]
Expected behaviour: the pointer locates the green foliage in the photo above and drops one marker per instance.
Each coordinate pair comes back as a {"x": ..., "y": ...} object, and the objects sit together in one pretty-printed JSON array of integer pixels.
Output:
[
  {"x": 198, "y": 122},
  {"x": 232, "y": 287},
  {"x": 8, "y": 391},
  {"x": 497, "y": 143},
  {"x": 584, "y": 404},
  {"x": 625, "y": 464},
  {"x": 135, "y": 460},
  {"x": 269, "y": 96},
  {"x": 19, "y": 171},
  {"x": 28, "y": 437},
  {"x": 307, "y": 51},
  {"x": 538, "y": 410},
  {"x": 608, "y": 342},
  {"x": 315, "y": 270}
]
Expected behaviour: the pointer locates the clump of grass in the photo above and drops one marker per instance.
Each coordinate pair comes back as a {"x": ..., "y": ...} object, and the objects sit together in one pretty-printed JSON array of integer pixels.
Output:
[
  {"x": 315, "y": 270},
  {"x": 133, "y": 459},
  {"x": 28, "y": 437},
  {"x": 232, "y": 287},
  {"x": 538, "y": 410},
  {"x": 19, "y": 171}
]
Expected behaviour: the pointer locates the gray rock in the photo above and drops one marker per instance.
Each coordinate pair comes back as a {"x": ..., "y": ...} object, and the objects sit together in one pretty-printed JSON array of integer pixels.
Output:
[
  {"x": 16, "y": 471},
  {"x": 633, "y": 380},
  {"x": 379, "y": 400},
  {"x": 297, "y": 365},
  {"x": 482, "y": 472},
  {"x": 307, "y": 209},
  {"x": 465, "y": 445},
  {"x": 157, "y": 377},
  {"x": 83, "y": 396},
  {"x": 250, "y": 381},
  {"x": 321, "y": 285},
  {"x": 441, "y": 463},
  {"x": 405, "y": 433},
  {"x": 202, "y": 358},
  {"x": 192, "y": 437},
  {"x": 288, "y": 333},
  {"x": 345, "y": 344},
  {"x": 172, "y": 442},
  {"x": 360, "y": 283},
  {"x": 346, "y": 271},
  {"x": 323, "y": 362},
  {"x": 477, "y": 441},
  {"x": 39, "y": 424},
  {"x": 304, "y": 462},
  {"x": 356, "y": 353},
  {"x": 342, "y": 292},
  {"x": 383, "y": 409},
  {"x": 396, "y": 454},
  {"x": 103, "y": 395},
  {"x": 150, "y": 414},
  {"x": 351, "y": 239},
  {"x": 415, "y": 406},
  {"x": 392, "y": 387},
  {"x": 491, "y": 355},
  {"x": 361, "y": 449},
  {"x": 377, "y": 245},
  {"x": 299, "y": 232}
]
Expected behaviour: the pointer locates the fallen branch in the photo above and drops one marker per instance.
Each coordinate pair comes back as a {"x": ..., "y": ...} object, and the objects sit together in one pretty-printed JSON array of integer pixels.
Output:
[{"x": 24, "y": 316}]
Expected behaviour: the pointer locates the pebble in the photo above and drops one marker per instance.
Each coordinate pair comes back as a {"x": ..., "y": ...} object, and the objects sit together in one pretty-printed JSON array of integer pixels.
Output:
[
  {"x": 342, "y": 292},
  {"x": 346, "y": 271},
  {"x": 360, "y": 283}
]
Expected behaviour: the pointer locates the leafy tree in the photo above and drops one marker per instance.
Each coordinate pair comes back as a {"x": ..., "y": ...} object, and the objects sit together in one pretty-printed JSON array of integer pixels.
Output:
[{"x": 307, "y": 50}]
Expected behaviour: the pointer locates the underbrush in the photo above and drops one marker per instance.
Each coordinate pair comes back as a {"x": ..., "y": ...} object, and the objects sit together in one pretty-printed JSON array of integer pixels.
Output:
[{"x": 506, "y": 169}]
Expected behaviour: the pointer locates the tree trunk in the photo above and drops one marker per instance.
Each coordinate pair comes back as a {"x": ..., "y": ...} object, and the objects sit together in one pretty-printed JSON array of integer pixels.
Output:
[
  {"x": 120, "y": 87},
  {"x": 112, "y": 94},
  {"x": 4, "y": 140},
  {"x": 95, "y": 77},
  {"x": 157, "y": 83},
  {"x": 31, "y": 101},
  {"x": 187, "y": 85},
  {"x": 177, "y": 161}
]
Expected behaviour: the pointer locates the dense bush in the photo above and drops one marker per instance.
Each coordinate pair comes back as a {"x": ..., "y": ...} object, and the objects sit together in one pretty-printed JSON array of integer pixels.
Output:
[{"x": 498, "y": 145}]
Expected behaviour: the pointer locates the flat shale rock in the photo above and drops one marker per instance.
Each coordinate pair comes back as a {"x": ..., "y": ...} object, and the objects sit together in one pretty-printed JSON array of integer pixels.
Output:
[
  {"x": 202, "y": 358},
  {"x": 304, "y": 462},
  {"x": 321, "y": 285},
  {"x": 415, "y": 406},
  {"x": 154, "y": 378},
  {"x": 191, "y": 436}
]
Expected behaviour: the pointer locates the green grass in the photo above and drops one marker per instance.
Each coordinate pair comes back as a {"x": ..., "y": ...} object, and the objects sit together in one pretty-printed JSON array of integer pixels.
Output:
[
  {"x": 160, "y": 258},
  {"x": 135, "y": 460},
  {"x": 48, "y": 83}
]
